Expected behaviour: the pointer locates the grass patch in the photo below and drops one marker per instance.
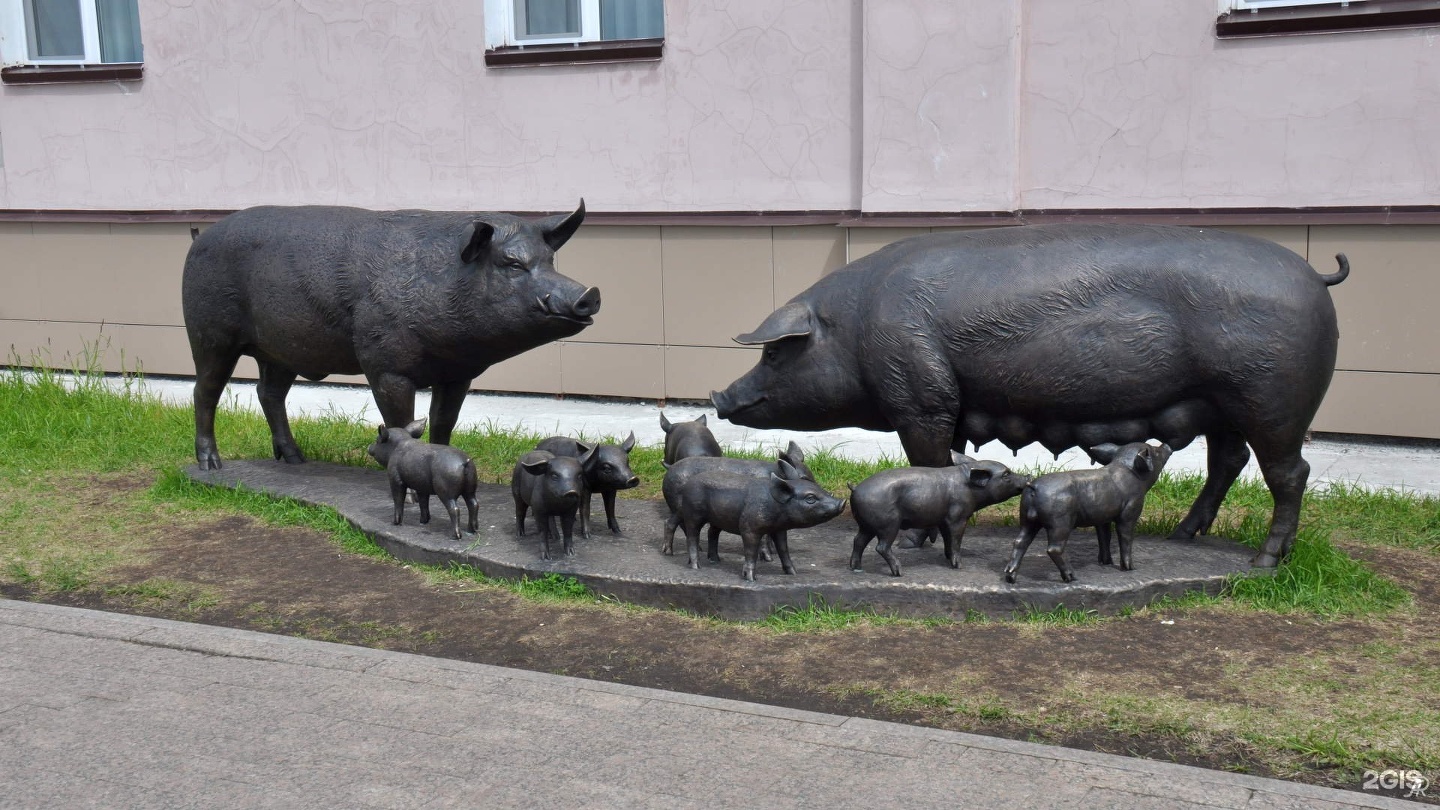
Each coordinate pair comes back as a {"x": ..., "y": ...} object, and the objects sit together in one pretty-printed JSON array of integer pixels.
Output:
[{"x": 819, "y": 616}]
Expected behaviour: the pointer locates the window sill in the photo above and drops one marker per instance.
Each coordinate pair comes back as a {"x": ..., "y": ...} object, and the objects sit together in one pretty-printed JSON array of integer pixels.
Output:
[
  {"x": 1374, "y": 15},
  {"x": 583, "y": 53},
  {"x": 67, "y": 74}
]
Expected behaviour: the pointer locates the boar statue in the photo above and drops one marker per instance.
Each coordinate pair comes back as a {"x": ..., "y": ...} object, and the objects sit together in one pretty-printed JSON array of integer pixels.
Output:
[
  {"x": 1069, "y": 335},
  {"x": 410, "y": 299}
]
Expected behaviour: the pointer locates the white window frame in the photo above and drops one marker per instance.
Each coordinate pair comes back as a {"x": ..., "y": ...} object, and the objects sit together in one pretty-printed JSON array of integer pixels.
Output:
[
  {"x": 15, "y": 36},
  {"x": 1227, "y": 6},
  {"x": 501, "y": 27}
]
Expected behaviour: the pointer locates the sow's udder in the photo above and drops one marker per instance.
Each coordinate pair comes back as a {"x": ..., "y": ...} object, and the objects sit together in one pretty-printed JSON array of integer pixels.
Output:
[{"x": 1177, "y": 425}]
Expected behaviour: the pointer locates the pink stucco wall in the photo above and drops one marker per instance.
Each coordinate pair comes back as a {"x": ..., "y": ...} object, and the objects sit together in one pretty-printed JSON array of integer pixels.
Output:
[
  {"x": 388, "y": 104},
  {"x": 889, "y": 105},
  {"x": 1130, "y": 103}
]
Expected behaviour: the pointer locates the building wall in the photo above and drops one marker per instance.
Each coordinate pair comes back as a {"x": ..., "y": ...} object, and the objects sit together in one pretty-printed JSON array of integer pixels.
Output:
[{"x": 388, "y": 104}]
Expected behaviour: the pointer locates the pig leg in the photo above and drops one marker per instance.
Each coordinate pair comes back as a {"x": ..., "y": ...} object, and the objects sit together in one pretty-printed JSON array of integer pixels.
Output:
[
  {"x": 692, "y": 541},
  {"x": 671, "y": 523},
  {"x": 445, "y": 402},
  {"x": 212, "y": 371},
  {"x": 395, "y": 397},
  {"x": 1102, "y": 534},
  {"x": 397, "y": 491},
  {"x": 608, "y": 496},
  {"x": 887, "y": 537},
  {"x": 712, "y": 543},
  {"x": 274, "y": 386},
  {"x": 454, "y": 509},
  {"x": 473, "y": 507},
  {"x": 782, "y": 548},
  {"x": 1022, "y": 544},
  {"x": 952, "y": 537},
  {"x": 584, "y": 513},
  {"x": 1057, "y": 535},
  {"x": 1285, "y": 474},
  {"x": 1226, "y": 458},
  {"x": 862, "y": 539},
  {"x": 520, "y": 509},
  {"x": 547, "y": 530},
  {"x": 773, "y": 542},
  {"x": 1125, "y": 529},
  {"x": 424, "y": 501},
  {"x": 752, "y": 543},
  {"x": 567, "y": 528},
  {"x": 927, "y": 444}
]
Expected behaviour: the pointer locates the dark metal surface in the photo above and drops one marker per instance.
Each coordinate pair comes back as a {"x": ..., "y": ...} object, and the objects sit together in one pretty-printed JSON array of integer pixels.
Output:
[
  {"x": 1066, "y": 335},
  {"x": 631, "y": 567}
]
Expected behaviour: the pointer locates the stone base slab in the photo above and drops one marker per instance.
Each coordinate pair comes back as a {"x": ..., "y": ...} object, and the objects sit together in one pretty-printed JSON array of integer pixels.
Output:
[{"x": 631, "y": 568}]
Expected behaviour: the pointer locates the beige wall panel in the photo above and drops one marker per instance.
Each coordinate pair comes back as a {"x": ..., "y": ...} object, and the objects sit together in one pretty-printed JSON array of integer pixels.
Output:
[
  {"x": 803, "y": 255},
  {"x": 1290, "y": 237},
  {"x": 156, "y": 349},
  {"x": 693, "y": 372},
  {"x": 97, "y": 272},
  {"x": 1387, "y": 306},
  {"x": 57, "y": 345},
  {"x": 616, "y": 370},
  {"x": 719, "y": 283},
  {"x": 624, "y": 262},
  {"x": 864, "y": 241},
  {"x": 1381, "y": 404},
  {"x": 15, "y": 229},
  {"x": 147, "y": 261},
  {"x": 20, "y": 272},
  {"x": 537, "y": 371}
]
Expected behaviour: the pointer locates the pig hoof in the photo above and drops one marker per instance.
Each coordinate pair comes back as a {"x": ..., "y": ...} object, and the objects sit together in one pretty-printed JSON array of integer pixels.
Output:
[
  {"x": 1264, "y": 560},
  {"x": 1010, "y": 577},
  {"x": 765, "y": 555},
  {"x": 1066, "y": 577},
  {"x": 208, "y": 460},
  {"x": 789, "y": 569},
  {"x": 954, "y": 563},
  {"x": 855, "y": 569},
  {"x": 1181, "y": 533},
  {"x": 424, "y": 520}
]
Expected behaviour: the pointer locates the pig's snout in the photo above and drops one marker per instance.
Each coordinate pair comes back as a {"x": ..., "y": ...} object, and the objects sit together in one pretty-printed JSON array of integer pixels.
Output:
[
  {"x": 582, "y": 309},
  {"x": 632, "y": 482},
  {"x": 727, "y": 404}
]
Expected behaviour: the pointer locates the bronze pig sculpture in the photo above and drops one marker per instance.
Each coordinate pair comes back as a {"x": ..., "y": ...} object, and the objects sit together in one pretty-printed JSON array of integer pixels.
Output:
[
  {"x": 428, "y": 469},
  {"x": 411, "y": 299},
  {"x": 688, "y": 439},
  {"x": 925, "y": 497},
  {"x": 607, "y": 472},
  {"x": 1112, "y": 495},
  {"x": 686, "y": 468},
  {"x": 1069, "y": 335},
  {"x": 752, "y": 508},
  {"x": 551, "y": 486}
]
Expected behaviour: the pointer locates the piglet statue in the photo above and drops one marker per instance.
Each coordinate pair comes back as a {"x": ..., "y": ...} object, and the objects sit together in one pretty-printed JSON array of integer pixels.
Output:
[
  {"x": 607, "y": 472},
  {"x": 688, "y": 439},
  {"x": 925, "y": 497},
  {"x": 683, "y": 470},
  {"x": 1113, "y": 494},
  {"x": 550, "y": 485},
  {"x": 429, "y": 469},
  {"x": 752, "y": 508}
]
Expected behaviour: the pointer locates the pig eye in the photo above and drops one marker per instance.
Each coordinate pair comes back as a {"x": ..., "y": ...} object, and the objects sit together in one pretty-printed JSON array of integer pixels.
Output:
[
  {"x": 771, "y": 353},
  {"x": 606, "y": 467},
  {"x": 811, "y": 499}
]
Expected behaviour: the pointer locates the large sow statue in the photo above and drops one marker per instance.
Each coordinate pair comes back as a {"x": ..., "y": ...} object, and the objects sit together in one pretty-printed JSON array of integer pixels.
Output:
[
  {"x": 1066, "y": 335},
  {"x": 411, "y": 299}
]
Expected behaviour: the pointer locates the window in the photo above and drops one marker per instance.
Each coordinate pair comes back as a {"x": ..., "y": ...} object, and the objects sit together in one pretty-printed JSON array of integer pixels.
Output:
[
  {"x": 66, "y": 40},
  {"x": 1259, "y": 18},
  {"x": 521, "y": 32}
]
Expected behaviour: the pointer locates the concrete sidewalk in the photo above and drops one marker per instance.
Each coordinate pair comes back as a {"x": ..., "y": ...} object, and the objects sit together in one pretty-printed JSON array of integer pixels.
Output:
[
  {"x": 108, "y": 710},
  {"x": 1414, "y": 467}
]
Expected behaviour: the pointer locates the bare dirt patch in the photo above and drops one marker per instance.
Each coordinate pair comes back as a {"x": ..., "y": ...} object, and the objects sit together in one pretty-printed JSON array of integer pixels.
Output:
[{"x": 990, "y": 678}]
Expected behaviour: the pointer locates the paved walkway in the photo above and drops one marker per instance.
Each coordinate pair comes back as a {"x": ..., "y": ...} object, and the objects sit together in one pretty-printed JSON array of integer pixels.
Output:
[{"x": 114, "y": 711}]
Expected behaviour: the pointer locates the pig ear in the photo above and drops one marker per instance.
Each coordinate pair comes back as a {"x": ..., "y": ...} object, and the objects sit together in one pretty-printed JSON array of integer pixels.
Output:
[
  {"x": 536, "y": 467},
  {"x": 791, "y": 320},
  {"x": 1103, "y": 453},
  {"x": 793, "y": 454},
  {"x": 665, "y": 424},
  {"x": 416, "y": 428},
  {"x": 781, "y": 490},
  {"x": 557, "y": 230},
  {"x": 477, "y": 241},
  {"x": 384, "y": 434},
  {"x": 957, "y": 458},
  {"x": 1141, "y": 465},
  {"x": 629, "y": 443},
  {"x": 587, "y": 454},
  {"x": 787, "y": 471},
  {"x": 701, "y": 420},
  {"x": 979, "y": 477}
]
